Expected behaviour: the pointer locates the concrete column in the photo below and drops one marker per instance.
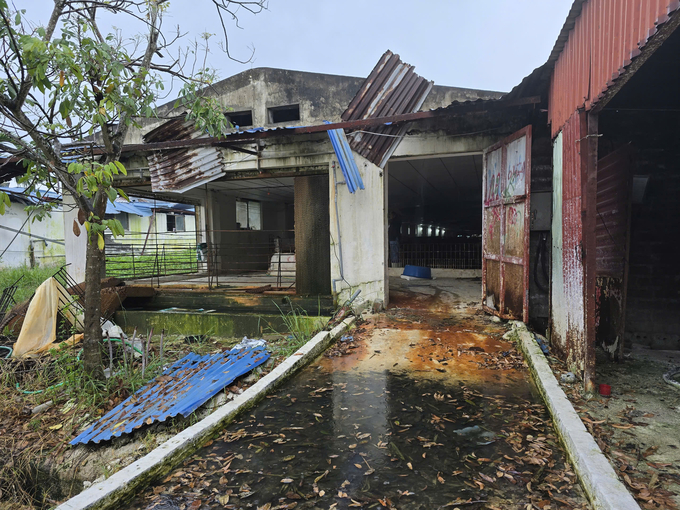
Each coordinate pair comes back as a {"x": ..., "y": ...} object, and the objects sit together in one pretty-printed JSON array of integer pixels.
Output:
[
  {"x": 75, "y": 246},
  {"x": 312, "y": 250},
  {"x": 358, "y": 236}
]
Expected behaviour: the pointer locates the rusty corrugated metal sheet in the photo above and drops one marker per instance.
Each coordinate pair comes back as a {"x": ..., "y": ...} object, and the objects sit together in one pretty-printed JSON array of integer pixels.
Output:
[
  {"x": 505, "y": 239},
  {"x": 599, "y": 39},
  {"x": 181, "y": 389},
  {"x": 568, "y": 335},
  {"x": 392, "y": 88},
  {"x": 179, "y": 170},
  {"x": 613, "y": 189}
]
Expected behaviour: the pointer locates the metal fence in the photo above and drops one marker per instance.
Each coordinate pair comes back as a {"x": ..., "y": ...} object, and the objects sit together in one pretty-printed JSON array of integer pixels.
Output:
[
  {"x": 241, "y": 257},
  {"x": 134, "y": 261},
  {"x": 440, "y": 256}
]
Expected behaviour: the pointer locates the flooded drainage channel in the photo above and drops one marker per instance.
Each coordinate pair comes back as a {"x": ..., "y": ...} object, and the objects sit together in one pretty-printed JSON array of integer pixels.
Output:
[{"x": 415, "y": 411}]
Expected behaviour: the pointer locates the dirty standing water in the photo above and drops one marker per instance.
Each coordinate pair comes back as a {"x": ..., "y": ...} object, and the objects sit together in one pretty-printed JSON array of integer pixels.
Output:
[{"x": 424, "y": 407}]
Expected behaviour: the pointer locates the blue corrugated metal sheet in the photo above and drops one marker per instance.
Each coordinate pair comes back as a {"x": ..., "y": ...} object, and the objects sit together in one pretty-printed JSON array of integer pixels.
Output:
[
  {"x": 181, "y": 389},
  {"x": 346, "y": 159}
]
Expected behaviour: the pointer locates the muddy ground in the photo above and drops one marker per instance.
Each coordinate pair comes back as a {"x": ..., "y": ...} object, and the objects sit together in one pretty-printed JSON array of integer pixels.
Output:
[
  {"x": 638, "y": 427},
  {"x": 422, "y": 407}
]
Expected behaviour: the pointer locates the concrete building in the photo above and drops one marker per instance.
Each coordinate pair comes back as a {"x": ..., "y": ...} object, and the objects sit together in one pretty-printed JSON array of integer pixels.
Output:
[{"x": 276, "y": 182}]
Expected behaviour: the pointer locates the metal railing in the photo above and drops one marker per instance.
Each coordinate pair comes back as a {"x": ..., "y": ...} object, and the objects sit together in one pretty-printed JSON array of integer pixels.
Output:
[
  {"x": 440, "y": 256},
  {"x": 133, "y": 261},
  {"x": 241, "y": 258}
]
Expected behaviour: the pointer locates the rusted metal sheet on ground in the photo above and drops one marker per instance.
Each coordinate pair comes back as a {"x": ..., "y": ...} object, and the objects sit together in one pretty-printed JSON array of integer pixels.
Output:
[
  {"x": 181, "y": 389},
  {"x": 598, "y": 42},
  {"x": 180, "y": 170},
  {"x": 613, "y": 224},
  {"x": 392, "y": 88},
  {"x": 505, "y": 230}
]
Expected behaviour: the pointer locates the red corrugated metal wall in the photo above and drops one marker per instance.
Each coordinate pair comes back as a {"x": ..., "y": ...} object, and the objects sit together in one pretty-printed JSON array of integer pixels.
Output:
[{"x": 606, "y": 36}]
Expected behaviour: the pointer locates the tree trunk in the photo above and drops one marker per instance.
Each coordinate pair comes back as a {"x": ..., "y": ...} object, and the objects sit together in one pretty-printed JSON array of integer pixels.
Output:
[{"x": 94, "y": 262}]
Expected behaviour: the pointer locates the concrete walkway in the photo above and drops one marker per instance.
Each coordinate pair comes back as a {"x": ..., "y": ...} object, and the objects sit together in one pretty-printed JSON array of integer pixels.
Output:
[{"x": 421, "y": 407}]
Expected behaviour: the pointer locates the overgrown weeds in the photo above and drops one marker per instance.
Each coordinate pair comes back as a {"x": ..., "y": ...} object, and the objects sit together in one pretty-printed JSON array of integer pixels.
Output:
[
  {"x": 31, "y": 278},
  {"x": 299, "y": 329}
]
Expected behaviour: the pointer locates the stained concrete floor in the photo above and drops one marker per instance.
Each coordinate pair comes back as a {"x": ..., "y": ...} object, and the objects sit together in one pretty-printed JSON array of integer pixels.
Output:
[{"x": 424, "y": 406}]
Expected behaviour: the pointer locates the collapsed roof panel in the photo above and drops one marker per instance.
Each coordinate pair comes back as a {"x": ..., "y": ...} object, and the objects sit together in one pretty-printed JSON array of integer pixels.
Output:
[
  {"x": 392, "y": 88},
  {"x": 180, "y": 170}
]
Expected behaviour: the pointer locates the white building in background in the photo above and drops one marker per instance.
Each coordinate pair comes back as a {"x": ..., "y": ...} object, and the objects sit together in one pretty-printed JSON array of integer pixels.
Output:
[{"x": 26, "y": 241}]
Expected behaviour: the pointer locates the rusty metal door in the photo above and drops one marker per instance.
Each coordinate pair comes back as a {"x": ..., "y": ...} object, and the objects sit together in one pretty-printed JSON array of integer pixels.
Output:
[{"x": 505, "y": 222}]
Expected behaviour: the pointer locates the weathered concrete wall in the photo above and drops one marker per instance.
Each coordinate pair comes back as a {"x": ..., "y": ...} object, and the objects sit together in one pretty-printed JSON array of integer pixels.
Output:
[
  {"x": 75, "y": 247},
  {"x": 360, "y": 242},
  {"x": 320, "y": 96},
  {"x": 22, "y": 250},
  {"x": 312, "y": 250},
  {"x": 439, "y": 143}
]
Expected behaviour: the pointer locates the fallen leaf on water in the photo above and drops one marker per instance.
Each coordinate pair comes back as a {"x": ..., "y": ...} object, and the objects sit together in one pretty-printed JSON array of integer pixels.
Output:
[
  {"x": 342, "y": 494},
  {"x": 288, "y": 458},
  {"x": 623, "y": 426},
  {"x": 352, "y": 446},
  {"x": 439, "y": 478},
  {"x": 316, "y": 480},
  {"x": 358, "y": 466},
  {"x": 410, "y": 466},
  {"x": 286, "y": 480},
  {"x": 487, "y": 478},
  {"x": 322, "y": 494},
  {"x": 354, "y": 503},
  {"x": 369, "y": 472},
  {"x": 266, "y": 506}
]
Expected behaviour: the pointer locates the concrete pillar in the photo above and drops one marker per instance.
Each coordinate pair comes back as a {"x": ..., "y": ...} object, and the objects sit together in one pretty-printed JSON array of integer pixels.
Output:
[
  {"x": 358, "y": 235},
  {"x": 312, "y": 250},
  {"x": 75, "y": 246}
]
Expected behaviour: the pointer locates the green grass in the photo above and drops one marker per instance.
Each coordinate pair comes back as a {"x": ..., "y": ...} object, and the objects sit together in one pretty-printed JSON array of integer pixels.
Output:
[{"x": 32, "y": 278}]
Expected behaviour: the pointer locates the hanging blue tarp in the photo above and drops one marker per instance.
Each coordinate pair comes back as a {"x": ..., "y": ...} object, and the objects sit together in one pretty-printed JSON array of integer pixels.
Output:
[
  {"x": 181, "y": 389},
  {"x": 346, "y": 159}
]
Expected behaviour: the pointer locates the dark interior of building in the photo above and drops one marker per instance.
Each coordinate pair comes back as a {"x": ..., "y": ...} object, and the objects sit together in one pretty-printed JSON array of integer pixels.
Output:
[
  {"x": 437, "y": 203},
  {"x": 642, "y": 120}
]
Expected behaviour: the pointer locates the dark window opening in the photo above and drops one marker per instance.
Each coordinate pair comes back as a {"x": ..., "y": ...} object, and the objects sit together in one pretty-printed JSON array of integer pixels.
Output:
[
  {"x": 284, "y": 113},
  {"x": 240, "y": 119},
  {"x": 175, "y": 223},
  {"x": 122, "y": 217}
]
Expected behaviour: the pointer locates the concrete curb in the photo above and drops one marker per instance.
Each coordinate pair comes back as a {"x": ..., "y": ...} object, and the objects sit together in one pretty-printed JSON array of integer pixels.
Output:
[
  {"x": 119, "y": 487},
  {"x": 604, "y": 489}
]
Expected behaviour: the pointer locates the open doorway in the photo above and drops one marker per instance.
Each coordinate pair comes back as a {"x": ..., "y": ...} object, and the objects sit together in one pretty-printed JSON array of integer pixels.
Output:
[
  {"x": 251, "y": 236},
  {"x": 435, "y": 221}
]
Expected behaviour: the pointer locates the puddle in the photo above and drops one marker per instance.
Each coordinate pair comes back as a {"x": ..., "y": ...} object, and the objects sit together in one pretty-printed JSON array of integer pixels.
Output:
[{"x": 431, "y": 413}]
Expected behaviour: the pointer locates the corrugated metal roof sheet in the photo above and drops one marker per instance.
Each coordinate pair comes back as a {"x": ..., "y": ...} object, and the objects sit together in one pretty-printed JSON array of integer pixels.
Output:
[
  {"x": 181, "y": 389},
  {"x": 598, "y": 41},
  {"x": 347, "y": 163},
  {"x": 180, "y": 170},
  {"x": 392, "y": 88}
]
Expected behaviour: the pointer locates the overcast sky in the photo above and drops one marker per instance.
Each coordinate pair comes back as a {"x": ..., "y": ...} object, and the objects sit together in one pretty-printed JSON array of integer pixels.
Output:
[{"x": 489, "y": 44}]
